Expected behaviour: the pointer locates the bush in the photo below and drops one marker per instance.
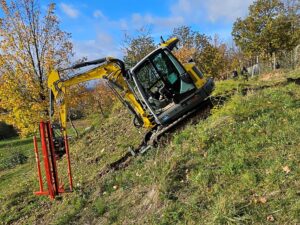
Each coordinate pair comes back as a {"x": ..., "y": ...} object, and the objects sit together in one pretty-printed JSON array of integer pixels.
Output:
[
  {"x": 7, "y": 131},
  {"x": 15, "y": 159}
]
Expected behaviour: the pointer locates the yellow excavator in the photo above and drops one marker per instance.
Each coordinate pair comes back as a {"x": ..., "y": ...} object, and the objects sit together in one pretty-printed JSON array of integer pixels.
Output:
[{"x": 159, "y": 91}]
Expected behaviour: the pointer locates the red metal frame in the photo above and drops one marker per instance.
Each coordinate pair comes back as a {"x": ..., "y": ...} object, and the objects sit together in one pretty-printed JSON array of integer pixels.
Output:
[
  {"x": 69, "y": 162},
  {"x": 49, "y": 158},
  {"x": 46, "y": 160},
  {"x": 37, "y": 158},
  {"x": 53, "y": 158}
]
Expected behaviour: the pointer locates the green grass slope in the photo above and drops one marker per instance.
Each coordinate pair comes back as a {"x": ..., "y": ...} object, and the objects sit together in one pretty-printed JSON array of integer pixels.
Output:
[{"x": 239, "y": 166}]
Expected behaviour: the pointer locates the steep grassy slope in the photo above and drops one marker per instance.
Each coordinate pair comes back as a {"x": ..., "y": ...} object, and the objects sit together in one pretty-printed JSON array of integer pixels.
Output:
[
  {"x": 239, "y": 166},
  {"x": 15, "y": 166}
]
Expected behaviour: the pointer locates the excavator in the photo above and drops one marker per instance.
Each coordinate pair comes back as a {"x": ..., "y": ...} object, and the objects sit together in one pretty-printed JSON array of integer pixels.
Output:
[{"x": 158, "y": 91}]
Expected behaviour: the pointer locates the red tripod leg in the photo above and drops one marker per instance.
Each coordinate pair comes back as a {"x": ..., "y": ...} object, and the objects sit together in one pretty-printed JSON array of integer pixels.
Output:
[
  {"x": 69, "y": 163},
  {"x": 37, "y": 158}
]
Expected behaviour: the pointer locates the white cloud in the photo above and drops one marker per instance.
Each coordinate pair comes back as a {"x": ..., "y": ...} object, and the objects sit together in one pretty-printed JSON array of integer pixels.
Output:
[
  {"x": 211, "y": 10},
  {"x": 190, "y": 10},
  {"x": 69, "y": 10},
  {"x": 158, "y": 23},
  {"x": 123, "y": 24},
  {"x": 103, "y": 45},
  {"x": 98, "y": 14},
  {"x": 185, "y": 7},
  {"x": 104, "y": 38},
  {"x": 104, "y": 22},
  {"x": 226, "y": 9}
]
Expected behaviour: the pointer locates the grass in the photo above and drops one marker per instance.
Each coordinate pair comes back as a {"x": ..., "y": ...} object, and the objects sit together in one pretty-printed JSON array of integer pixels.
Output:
[
  {"x": 239, "y": 166},
  {"x": 245, "y": 147},
  {"x": 14, "y": 184}
]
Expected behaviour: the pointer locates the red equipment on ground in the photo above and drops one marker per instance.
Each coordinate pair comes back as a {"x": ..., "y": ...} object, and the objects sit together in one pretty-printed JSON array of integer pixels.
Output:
[{"x": 49, "y": 158}]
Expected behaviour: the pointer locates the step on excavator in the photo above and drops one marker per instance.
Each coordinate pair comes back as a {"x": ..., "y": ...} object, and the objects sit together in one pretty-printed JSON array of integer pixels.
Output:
[{"x": 158, "y": 91}]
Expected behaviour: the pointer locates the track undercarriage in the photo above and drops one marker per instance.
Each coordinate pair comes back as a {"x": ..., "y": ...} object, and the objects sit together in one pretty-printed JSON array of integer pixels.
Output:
[{"x": 152, "y": 138}]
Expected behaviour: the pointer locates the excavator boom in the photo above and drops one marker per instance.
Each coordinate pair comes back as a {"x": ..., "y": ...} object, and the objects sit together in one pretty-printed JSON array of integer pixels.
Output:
[
  {"x": 108, "y": 68},
  {"x": 157, "y": 90}
]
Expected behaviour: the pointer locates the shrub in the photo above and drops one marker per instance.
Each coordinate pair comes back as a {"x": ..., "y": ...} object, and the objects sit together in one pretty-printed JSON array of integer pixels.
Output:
[
  {"x": 15, "y": 159},
  {"x": 7, "y": 131}
]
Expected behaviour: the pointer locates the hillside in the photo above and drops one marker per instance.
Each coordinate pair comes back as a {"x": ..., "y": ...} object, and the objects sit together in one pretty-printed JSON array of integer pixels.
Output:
[{"x": 238, "y": 166}]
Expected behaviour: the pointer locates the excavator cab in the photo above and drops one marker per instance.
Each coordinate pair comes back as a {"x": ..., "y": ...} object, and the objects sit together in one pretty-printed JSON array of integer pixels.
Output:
[{"x": 168, "y": 88}]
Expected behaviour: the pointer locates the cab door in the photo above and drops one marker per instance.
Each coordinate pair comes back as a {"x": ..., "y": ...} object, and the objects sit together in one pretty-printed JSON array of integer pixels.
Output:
[
  {"x": 162, "y": 79},
  {"x": 176, "y": 79}
]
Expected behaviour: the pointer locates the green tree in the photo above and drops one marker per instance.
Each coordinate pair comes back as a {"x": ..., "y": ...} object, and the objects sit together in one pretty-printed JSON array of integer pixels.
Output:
[
  {"x": 137, "y": 47},
  {"x": 267, "y": 30},
  {"x": 31, "y": 45}
]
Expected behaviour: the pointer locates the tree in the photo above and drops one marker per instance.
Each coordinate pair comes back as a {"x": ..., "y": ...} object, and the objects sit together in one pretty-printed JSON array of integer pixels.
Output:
[
  {"x": 209, "y": 57},
  {"x": 137, "y": 47},
  {"x": 31, "y": 45},
  {"x": 103, "y": 98},
  {"x": 267, "y": 30},
  {"x": 187, "y": 46},
  {"x": 184, "y": 54},
  {"x": 292, "y": 10}
]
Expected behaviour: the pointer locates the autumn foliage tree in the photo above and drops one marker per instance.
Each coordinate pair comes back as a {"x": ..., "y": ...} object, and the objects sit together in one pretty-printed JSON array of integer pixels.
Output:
[
  {"x": 208, "y": 54},
  {"x": 31, "y": 44},
  {"x": 103, "y": 98}
]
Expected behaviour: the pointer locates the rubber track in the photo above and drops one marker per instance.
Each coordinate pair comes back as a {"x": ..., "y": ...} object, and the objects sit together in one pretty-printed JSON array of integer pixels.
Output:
[{"x": 152, "y": 138}]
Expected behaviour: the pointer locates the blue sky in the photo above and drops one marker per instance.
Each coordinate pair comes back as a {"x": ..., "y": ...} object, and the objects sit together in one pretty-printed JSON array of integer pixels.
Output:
[{"x": 98, "y": 27}]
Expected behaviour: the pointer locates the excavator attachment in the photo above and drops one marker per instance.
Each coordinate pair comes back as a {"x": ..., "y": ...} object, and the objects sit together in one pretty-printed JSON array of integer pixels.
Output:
[{"x": 50, "y": 154}]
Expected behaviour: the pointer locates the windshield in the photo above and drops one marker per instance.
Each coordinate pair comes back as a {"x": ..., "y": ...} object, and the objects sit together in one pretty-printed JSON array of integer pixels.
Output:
[
  {"x": 159, "y": 76},
  {"x": 158, "y": 70}
]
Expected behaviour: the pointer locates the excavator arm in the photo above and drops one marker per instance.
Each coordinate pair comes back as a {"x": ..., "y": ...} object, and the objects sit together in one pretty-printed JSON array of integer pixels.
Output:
[{"x": 108, "y": 68}]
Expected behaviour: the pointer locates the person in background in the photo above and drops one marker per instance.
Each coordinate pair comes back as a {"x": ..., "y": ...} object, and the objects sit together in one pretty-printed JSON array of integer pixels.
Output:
[
  {"x": 245, "y": 73},
  {"x": 235, "y": 74}
]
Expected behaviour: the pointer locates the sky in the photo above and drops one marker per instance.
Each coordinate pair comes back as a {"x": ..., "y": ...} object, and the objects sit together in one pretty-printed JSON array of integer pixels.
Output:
[{"x": 98, "y": 27}]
